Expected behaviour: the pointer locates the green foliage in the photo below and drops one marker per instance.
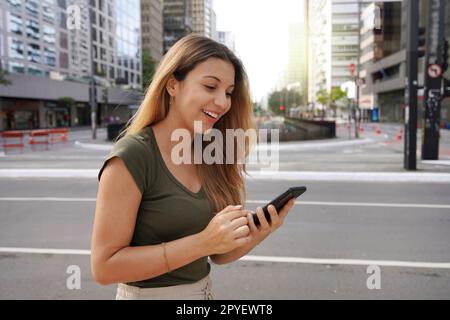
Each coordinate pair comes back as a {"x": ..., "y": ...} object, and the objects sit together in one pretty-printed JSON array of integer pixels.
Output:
[
  {"x": 65, "y": 101},
  {"x": 286, "y": 98},
  {"x": 148, "y": 69},
  {"x": 3, "y": 80}
]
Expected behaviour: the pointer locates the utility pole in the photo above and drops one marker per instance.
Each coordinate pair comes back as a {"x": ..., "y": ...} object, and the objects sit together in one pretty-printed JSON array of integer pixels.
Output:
[
  {"x": 93, "y": 95},
  {"x": 412, "y": 41},
  {"x": 358, "y": 69},
  {"x": 434, "y": 69}
]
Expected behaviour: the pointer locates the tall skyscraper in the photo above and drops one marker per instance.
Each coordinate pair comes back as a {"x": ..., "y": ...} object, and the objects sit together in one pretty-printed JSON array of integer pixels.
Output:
[
  {"x": 204, "y": 19},
  {"x": 65, "y": 43},
  {"x": 333, "y": 43},
  {"x": 177, "y": 19},
  {"x": 152, "y": 28}
]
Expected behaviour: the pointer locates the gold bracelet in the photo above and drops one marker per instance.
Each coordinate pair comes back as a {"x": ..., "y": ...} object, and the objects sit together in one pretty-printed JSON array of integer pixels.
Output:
[{"x": 165, "y": 257}]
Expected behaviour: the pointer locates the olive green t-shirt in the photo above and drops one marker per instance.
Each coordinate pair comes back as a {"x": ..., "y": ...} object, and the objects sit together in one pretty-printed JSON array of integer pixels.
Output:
[{"x": 168, "y": 210}]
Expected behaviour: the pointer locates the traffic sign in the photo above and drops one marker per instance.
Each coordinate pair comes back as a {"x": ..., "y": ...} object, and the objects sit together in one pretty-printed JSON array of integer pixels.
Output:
[
  {"x": 434, "y": 71},
  {"x": 352, "y": 68}
]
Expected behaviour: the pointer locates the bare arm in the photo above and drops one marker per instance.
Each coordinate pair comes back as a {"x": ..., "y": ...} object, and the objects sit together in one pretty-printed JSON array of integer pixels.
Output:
[{"x": 114, "y": 261}]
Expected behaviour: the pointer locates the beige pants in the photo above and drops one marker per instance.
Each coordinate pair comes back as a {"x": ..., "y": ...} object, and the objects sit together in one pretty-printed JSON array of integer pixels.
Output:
[{"x": 200, "y": 290}]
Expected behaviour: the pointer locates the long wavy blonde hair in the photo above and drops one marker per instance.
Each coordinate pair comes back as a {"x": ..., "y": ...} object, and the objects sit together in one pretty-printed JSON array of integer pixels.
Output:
[{"x": 223, "y": 183}]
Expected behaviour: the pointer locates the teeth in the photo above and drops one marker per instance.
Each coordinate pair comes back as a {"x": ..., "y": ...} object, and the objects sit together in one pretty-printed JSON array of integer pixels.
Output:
[{"x": 211, "y": 114}]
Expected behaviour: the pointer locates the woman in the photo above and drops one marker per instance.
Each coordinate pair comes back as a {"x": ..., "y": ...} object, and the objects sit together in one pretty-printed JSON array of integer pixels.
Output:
[{"x": 157, "y": 222}]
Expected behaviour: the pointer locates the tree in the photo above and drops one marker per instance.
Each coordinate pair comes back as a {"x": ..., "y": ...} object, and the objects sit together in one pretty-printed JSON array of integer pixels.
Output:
[
  {"x": 148, "y": 69},
  {"x": 3, "y": 80},
  {"x": 66, "y": 102},
  {"x": 285, "y": 98},
  {"x": 336, "y": 95},
  {"x": 323, "y": 97}
]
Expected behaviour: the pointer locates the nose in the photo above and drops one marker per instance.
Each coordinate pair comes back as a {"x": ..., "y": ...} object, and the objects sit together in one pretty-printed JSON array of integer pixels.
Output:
[{"x": 221, "y": 101}]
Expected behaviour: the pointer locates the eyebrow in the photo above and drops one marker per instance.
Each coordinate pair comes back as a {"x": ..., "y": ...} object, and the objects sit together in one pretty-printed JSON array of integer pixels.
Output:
[{"x": 214, "y": 77}]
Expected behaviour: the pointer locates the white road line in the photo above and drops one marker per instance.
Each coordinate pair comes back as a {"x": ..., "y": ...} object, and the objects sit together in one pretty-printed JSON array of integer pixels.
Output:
[
  {"x": 45, "y": 199},
  {"x": 415, "y": 177},
  {"x": 381, "y": 263},
  {"x": 302, "y": 203},
  {"x": 355, "y": 262},
  {"x": 45, "y": 251},
  {"x": 364, "y": 204},
  {"x": 380, "y": 177}
]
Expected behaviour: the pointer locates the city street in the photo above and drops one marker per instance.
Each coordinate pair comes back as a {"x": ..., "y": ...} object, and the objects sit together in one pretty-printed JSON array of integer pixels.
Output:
[{"x": 343, "y": 224}]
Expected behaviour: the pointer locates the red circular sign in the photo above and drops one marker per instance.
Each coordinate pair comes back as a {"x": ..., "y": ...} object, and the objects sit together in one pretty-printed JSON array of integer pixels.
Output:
[
  {"x": 352, "y": 68},
  {"x": 434, "y": 70}
]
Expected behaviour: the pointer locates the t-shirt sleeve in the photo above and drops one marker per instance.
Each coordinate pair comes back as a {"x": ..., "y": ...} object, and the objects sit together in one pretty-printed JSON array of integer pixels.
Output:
[{"x": 134, "y": 154}]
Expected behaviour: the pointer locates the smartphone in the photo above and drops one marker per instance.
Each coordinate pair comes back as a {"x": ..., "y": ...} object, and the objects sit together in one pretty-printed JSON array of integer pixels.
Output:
[{"x": 280, "y": 201}]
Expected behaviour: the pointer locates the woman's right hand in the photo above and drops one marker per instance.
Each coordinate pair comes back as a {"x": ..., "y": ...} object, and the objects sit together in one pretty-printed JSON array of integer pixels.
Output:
[{"x": 226, "y": 231}]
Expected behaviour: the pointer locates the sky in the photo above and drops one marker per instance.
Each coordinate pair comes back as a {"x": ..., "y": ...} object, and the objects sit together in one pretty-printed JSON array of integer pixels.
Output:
[{"x": 260, "y": 28}]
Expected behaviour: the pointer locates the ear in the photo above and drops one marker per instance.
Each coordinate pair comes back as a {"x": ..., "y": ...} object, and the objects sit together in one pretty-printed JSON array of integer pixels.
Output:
[{"x": 171, "y": 86}]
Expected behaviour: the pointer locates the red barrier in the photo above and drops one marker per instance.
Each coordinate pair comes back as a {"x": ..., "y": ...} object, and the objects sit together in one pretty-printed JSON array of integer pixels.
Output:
[
  {"x": 59, "y": 134},
  {"x": 38, "y": 137},
  {"x": 13, "y": 135}
]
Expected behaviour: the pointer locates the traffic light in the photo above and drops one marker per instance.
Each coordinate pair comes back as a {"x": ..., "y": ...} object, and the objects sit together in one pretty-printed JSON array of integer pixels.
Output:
[
  {"x": 281, "y": 108},
  {"x": 445, "y": 56},
  {"x": 421, "y": 42}
]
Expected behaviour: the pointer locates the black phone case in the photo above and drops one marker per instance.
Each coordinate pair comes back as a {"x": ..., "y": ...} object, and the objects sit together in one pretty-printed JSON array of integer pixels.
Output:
[{"x": 280, "y": 201}]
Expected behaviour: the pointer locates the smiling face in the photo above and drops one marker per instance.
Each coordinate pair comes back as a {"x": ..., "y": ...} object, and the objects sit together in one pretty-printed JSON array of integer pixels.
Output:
[{"x": 204, "y": 95}]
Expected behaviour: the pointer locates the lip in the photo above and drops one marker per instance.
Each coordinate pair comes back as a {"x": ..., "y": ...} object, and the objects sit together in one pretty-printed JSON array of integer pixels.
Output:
[{"x": 208, "y": 118}]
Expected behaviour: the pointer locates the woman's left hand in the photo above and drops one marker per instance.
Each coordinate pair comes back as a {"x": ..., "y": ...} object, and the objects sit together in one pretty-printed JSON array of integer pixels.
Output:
[{"x": 265, "y": 228}]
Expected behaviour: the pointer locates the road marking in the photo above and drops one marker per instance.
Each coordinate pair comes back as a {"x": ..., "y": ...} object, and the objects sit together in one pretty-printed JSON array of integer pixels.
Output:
[
  {"x": 92, "y": 146},
  {"x": 414, "y": 177},
  {"x": 303, "y": 203},
  {"x": 363, "y": 204},
  {"x": 437, "y": 162},
  {"x": 356, "y": 262},
  {"x": 45, "y": 199},
  {"x": 45, "y": 251}
]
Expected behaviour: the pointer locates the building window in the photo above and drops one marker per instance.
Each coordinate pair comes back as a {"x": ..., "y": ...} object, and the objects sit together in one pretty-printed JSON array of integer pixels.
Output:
[
  {"x": 103, "y": 54},
  {"x": 47, "y": 12},
  {"x": 50, "y": 56},
  {"x": 32, "y": 7},
  {"x": 34, "y": 53},
  {"x": 62, "y": 20},
  {"x": 15, "y": 23},
  {"x": 16, "y": 67},
  {"x": 33, "y": 29},
  {"x": 49, "y": 34},
  {"x": 16, "y": 49},
  {"x": 34, "y": 71},
  {"x": 63, "y": 41},
  {"x": 62, "y": 4},
  {"x": 15, "y": 4},
  {"x": 63, "y": 60}
]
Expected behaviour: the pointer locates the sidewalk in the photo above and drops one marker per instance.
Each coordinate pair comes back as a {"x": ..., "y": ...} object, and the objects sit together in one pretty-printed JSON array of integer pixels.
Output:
[{"x": 371, "y": 153}]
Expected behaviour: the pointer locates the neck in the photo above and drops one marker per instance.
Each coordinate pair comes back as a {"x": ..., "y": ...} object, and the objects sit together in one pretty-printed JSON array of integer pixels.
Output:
[{"x": 163, "y": 131}]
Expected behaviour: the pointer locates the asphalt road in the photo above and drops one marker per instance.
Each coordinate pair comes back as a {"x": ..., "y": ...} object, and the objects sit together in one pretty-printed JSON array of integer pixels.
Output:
[
  {"x": 335, "y": 231},
  {"x": 314, "y": 229}
]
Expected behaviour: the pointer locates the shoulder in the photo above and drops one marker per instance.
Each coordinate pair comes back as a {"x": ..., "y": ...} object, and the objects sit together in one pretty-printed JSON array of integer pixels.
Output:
[
  {"x": 137, "y": 142},
  {"x": 136, "y": 152}
]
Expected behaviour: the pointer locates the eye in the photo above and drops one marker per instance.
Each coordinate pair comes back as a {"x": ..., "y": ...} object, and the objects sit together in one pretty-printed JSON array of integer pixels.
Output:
[
  {"x": 229, "y": 94},
  {"x": 209, "y": 87}
]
